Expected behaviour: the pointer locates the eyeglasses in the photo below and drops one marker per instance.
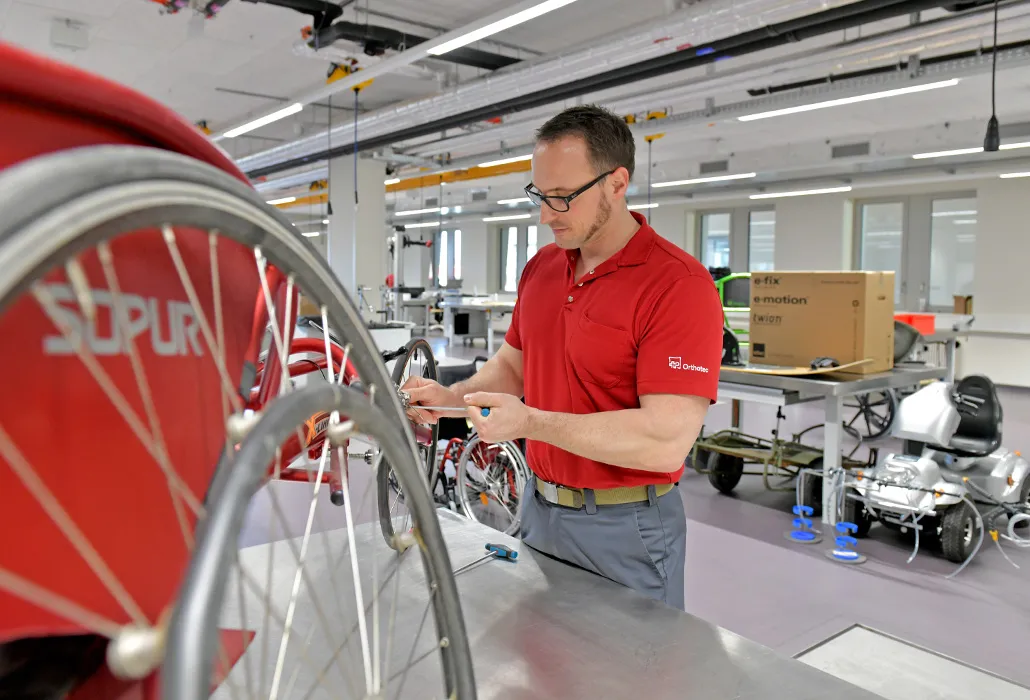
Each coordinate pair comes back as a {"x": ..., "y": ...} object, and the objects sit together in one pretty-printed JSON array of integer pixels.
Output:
[{"x": 561, "y": 203}]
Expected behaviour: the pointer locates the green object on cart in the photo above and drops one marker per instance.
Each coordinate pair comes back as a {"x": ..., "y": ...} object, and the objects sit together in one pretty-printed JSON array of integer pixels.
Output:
[{"x": 735, "y": 296}]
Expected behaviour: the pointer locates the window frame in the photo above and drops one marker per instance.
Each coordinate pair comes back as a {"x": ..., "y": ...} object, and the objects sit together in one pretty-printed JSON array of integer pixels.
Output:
[
  {"x": 916, "y": 243},
  {"x": 521, "y": 251},
  {"x": 740, "y": 238},
  {"x": 437, "y": 263}
]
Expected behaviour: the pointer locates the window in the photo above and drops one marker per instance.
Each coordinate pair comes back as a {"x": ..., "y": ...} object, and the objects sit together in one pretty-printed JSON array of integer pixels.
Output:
[
  {"x": 448, "y": 257},
  {"x": 761, "y": 240},
  {"x": 881, "y": 236},
  {"x": 715, "y": 239},
  {"x": 952, "y": 241},
  {"x": 518, "y": 245}
]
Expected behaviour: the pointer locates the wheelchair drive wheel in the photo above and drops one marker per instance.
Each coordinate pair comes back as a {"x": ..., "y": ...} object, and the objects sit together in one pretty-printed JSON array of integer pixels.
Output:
[
  {"x": 490, "y": 481},
  {"x": 415, "y": 359},
  {"x": 166, "y": 472}
]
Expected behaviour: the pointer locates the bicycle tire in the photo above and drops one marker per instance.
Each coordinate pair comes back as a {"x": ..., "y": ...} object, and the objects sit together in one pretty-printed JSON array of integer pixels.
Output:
[
  {"x": 55, "y": 206},
  {"x": 383, "y": 485},
  {"x": 521, "y": 471}
]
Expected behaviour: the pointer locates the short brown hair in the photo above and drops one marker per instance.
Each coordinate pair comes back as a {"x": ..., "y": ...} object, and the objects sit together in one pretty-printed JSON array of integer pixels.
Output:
[{"x": 609, "y": 141}]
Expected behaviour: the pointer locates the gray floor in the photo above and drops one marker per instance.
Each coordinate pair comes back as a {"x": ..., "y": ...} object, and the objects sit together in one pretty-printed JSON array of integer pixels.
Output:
[{"x": 743, "y": 575}]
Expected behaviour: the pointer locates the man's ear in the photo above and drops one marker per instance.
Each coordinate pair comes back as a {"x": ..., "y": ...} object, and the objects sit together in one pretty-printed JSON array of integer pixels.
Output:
[{"x": 620, "y": 182}]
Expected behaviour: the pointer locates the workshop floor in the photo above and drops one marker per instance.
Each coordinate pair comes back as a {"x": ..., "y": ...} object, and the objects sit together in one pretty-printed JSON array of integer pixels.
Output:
[{"x": 742, "y": 574}]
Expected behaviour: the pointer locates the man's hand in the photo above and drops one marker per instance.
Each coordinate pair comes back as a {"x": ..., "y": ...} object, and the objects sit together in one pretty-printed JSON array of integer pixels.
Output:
[
  {"x": 508, "y": 419},
  {"x": 430, "y": 393}
]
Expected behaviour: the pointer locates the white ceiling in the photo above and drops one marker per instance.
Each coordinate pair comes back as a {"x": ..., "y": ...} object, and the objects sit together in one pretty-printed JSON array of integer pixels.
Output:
[{"x": 243, "y": 63}]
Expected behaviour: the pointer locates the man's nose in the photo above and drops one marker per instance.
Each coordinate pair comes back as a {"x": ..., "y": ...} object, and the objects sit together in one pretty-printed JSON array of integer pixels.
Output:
[{"x": 547, "y": 215}]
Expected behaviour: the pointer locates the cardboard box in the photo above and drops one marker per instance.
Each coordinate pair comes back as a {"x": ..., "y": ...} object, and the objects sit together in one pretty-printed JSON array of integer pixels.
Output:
[
  {"x": 963, "y": 305},
  {"x": 799, "y": 316}
]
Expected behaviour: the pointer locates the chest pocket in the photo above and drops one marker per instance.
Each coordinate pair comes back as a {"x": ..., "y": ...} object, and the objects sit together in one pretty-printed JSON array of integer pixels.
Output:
[{"x": 601, "y": 354}]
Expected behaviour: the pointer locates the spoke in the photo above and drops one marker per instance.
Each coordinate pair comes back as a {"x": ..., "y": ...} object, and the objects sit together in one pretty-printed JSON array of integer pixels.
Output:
[
  {"x": 277, "y": 336},
  {"x": 58, "y": 605},
  {"x": 248, "y": 671},
  {"x": 345, "y": 482},
  {"x": 205, "y": 328},
  {"x": 49, "y": 503},
  {"x": 121, "y": 314},
  {"x": 328, "y": 349},
  {"x": 414, "y": 643},
  {"x": 216, "y": 298},
  {"x": 292, "y": 607}
]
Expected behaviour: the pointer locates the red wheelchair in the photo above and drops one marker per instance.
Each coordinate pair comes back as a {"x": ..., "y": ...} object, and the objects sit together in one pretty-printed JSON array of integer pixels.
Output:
[{"x": 153, "y": 422}]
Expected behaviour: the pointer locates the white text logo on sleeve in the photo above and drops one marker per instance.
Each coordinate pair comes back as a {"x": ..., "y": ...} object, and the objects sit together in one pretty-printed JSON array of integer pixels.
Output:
[{"x": 677, "y": 363}]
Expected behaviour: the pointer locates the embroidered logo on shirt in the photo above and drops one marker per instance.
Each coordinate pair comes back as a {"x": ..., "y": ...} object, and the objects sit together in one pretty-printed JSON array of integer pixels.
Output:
[{"x": 677, "y": 363}]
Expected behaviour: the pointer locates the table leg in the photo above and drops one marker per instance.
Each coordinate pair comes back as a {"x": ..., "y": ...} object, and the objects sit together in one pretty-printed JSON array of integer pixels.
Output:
[
  {"x": 832, "y": 457},
  {"x": 949, "y": 360},
  {"x": 489, "y": 334},
  {"x": 448, "y": 324}
]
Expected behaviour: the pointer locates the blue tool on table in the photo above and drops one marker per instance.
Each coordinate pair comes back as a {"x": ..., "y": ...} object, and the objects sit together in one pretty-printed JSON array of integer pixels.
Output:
[{"x": 493, "y": 551}]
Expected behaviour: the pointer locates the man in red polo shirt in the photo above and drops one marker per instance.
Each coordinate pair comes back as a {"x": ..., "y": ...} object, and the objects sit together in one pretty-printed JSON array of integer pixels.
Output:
[{"x": 615, "y": 345}]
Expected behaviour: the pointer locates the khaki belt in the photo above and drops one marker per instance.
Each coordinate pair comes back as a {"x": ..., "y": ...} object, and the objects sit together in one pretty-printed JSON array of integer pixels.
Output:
[{"x": 574, "y": 498}]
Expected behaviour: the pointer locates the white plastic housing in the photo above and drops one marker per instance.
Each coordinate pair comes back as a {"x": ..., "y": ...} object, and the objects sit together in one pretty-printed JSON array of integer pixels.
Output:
[{"x": 929, "y": 415}]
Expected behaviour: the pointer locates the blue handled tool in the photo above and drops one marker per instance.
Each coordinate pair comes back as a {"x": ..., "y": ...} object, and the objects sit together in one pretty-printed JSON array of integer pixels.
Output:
[{"x": 494, "y": 551}]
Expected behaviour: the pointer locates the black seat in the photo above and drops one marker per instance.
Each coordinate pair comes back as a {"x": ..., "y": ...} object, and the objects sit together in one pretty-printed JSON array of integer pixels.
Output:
[
  {"x": 979, "y": 430},
  {"x": 449, "y": 374}
]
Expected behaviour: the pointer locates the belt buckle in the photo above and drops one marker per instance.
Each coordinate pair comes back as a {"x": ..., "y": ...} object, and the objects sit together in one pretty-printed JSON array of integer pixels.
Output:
[{"x": 550, "y": 491}]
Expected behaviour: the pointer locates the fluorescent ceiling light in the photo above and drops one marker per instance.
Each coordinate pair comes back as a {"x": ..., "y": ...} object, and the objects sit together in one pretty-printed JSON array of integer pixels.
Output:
[
  {"x": 284, "y": 200},
  {"x": 1006, "y": 176},
  {"x": 505, "y": 161},
  {"x": 415, "y": 212},
  {"x": 801, "y": 193},
  {"x": 262, "y": 121},
  {"x": 967, "y": 151},
  {"x": 957, "y": 212},
  {"x": 498, "y": 26},
  {"x": 392, "y": 181},
  {"x": 652, "y": 205},
  {"x": 457, "y": 209},
  {"x": 699, "y": 180},
  {"x": 510, "y": 217},
  {"x": 424, "y": 224},
  {"x": 964, "y": 221},
  {"x": 325, "y": 221},
  {"x": 311, "y": 234},
  {"x": 952, "y": 152},
  {"x": 850, "y": 100},
  {"x": 517, "y": 200}
]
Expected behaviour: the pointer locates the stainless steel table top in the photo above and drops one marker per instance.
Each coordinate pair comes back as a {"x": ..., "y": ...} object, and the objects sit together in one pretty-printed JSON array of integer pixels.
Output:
[
  {"x": 543, "y": 629},
  {"x": 538, "y": 629},
  {"x": 821, "y": 386}
]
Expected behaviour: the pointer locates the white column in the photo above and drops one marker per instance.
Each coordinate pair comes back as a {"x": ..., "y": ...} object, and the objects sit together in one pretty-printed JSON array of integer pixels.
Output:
[
  {"x": 475, "y": 259},
  {"x": 357, "y": 234}
]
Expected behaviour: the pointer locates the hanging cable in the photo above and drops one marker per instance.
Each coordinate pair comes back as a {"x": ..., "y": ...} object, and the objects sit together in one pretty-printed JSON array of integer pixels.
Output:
[
  {"x": 650, "y": 166},
  {"x": 992, "y": 139}
]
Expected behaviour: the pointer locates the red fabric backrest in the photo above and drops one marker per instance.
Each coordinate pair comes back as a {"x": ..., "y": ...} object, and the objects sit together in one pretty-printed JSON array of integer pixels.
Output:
[{"x": 46, "y": 106}]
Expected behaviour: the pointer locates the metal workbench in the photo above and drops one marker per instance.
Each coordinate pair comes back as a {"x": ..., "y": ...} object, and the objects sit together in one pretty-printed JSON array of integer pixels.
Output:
[
  {"x": 539, "y": 628},
  {"x": 775, "y": 390},
  {"x": 484, "y": 312}
]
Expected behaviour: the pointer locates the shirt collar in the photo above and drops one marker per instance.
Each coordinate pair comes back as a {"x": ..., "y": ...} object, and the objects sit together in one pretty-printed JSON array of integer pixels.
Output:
[{"x": 636, "y": 250}]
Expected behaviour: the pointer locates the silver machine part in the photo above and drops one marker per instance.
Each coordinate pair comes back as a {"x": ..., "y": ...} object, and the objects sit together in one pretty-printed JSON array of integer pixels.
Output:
[{"x": 928, "y": 415}]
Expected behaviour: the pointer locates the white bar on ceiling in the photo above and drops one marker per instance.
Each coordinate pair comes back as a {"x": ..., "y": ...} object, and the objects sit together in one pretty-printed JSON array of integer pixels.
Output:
[
  {"x": 262, "y": 121},
  {"x": 512, "y": 20},
  {"x": 282, "y": 200},
  {"x": 510, "y": 217},
  {"x": 896, "y": 92},
  {"x": 801, "y": 193},
  {"x": 406, "y": 58},
  {"x": 700, "y": 180},
  {"x": 1006, "y": 176}
]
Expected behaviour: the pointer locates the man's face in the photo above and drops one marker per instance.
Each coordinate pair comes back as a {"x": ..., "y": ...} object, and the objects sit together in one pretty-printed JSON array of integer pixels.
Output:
[{"x": 560, "y": 168}]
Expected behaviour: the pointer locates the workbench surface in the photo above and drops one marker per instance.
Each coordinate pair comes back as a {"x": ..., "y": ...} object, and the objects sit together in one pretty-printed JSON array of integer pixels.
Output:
[{"x": 542, "y": 629}]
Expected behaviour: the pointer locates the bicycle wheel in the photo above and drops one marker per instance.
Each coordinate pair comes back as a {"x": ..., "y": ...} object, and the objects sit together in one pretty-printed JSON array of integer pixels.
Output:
[
  {"x": 490, "y": 482},
  {"x": 418, "y": 355},
  {"x": 129, "y": 276},
  {"x": 218, "y": 567}
]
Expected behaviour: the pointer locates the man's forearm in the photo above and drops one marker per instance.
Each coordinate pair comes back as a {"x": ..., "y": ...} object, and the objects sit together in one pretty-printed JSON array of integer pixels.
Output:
[{"x": 627, "y": 438}]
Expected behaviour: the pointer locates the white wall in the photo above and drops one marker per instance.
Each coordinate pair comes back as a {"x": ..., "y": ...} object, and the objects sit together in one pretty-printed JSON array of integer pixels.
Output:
[
  {"x": 813, "y": 233},
  {"x": 474, "y": 257}
]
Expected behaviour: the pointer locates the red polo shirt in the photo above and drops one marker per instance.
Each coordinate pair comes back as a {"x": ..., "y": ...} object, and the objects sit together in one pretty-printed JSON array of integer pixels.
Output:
[{"x": 646, "y": 321}]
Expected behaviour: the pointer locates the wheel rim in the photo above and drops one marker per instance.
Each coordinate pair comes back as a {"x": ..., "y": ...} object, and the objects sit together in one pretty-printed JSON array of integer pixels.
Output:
[
  {"x": 490, "y": 482},
  {"x": 101, "y": 217}
]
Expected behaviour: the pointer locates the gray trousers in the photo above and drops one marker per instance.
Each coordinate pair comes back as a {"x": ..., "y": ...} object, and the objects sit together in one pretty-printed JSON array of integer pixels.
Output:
[{"x": 638, "y": 545}]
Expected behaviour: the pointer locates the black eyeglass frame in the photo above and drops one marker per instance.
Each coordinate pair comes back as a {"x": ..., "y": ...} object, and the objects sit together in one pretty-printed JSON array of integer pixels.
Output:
[{"x": 534, "y": 195}]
